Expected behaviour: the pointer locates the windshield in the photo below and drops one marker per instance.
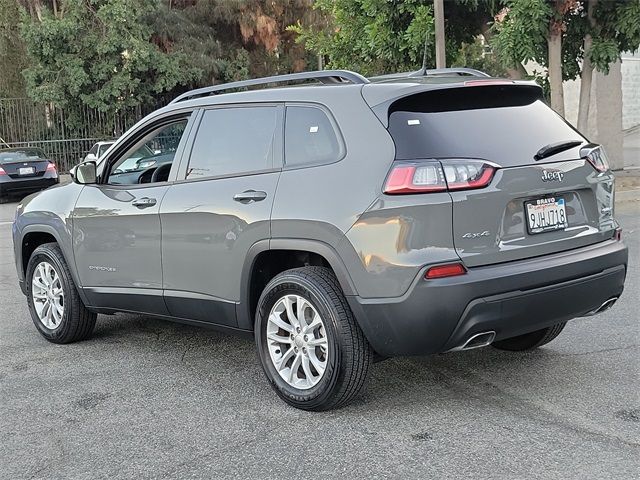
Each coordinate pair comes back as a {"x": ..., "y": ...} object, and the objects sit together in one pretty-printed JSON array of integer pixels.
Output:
[
  {"x": 103, "y": 148},
  {"x": 20, "y": 155}
]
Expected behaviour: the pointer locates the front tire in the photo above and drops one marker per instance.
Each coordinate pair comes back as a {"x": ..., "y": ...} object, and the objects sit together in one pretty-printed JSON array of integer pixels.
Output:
[
  {"x": 311, "y": 348},
  {"x": 55, "y": 306},
  {"x": 530, "y": 341}
]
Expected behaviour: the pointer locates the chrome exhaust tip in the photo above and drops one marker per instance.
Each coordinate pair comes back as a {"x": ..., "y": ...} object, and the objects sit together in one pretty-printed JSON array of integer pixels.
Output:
[
  {"x": 605, "y": 306},
  {"x": 478, "y": 340}
]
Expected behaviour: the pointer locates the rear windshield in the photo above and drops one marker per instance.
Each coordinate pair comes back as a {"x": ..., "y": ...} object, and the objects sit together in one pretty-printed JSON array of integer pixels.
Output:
[
  {"x": 9, "y": 156},
  {"x": 504, "y": 125}
]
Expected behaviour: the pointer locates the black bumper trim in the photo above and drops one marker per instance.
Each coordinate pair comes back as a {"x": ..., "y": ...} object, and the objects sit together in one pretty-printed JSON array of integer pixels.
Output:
[{"x": 511, "y": 298}]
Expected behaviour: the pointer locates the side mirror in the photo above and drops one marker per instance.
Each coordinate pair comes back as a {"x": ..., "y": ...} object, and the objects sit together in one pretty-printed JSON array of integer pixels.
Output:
[
  {"x": 72, "y": 172},
  {"x": 85, "y": 173}
]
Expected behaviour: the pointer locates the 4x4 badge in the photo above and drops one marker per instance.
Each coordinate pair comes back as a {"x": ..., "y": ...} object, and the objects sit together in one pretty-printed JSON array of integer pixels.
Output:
[
  {"x": 476, "y": 234},
  {"x": 552, "y": 176}
]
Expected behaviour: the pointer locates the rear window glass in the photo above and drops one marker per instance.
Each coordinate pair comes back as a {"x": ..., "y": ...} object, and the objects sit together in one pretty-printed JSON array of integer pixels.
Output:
[
  {"x": 310, "y": 138},
  {"x": 8, "y": 156},
  {"x": 491, "y": 123}
]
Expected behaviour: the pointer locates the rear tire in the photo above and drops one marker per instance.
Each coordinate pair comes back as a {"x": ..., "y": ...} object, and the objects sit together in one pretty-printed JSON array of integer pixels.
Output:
[
  {"x": 530, "y": 341},
  {"x": 56, "y": 308},
  {"x": 311, "y": 368}
]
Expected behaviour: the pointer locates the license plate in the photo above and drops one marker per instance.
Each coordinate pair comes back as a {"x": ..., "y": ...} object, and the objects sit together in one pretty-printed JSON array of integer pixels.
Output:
[
  {"x": 546, "y": 214},
  {"x": 26, "y": 171}
]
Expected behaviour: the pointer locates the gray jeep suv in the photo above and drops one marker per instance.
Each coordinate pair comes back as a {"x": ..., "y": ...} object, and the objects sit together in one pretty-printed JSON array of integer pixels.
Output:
[{"x": 341, "y": 221}]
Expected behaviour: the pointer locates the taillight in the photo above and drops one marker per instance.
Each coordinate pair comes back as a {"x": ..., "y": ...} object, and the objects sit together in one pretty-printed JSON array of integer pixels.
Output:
[
  {"x": 596, "y": 156},
  {"x": 432, "y": 176},
  {"x": 415, "y": 178},
  {"x": 2, "y": 172},
  {"x": 51, "y": 167},
  {"x": 447, "y": 270}
]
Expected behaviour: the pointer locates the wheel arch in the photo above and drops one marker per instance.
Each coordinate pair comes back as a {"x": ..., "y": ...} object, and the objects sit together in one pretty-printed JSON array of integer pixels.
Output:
[
  {"x": 34, "y": 235},
  {"x": 281, "y": 255}
]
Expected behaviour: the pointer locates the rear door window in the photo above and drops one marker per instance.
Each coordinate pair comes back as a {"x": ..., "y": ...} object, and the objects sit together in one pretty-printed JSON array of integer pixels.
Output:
[
  {"x": 310, "y": 138},
  {"x": 234, "y": 141}
]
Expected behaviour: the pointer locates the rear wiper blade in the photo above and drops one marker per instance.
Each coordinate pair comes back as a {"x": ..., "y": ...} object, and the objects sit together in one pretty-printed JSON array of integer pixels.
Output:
[{"x": 553, "y": 148}]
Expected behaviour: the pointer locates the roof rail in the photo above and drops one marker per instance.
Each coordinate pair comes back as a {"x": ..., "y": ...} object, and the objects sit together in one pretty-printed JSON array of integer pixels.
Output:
[
  {"x": 443, "y": 71},
  {"x": 323, "y": 76}
]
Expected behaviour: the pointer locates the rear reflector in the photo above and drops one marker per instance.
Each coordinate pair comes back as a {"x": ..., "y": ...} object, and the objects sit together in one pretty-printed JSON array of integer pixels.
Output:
[
  {"x": 617, "y": 234},
  {"x": 433, "y": 176},
  {"x": 448, "y": 270}
]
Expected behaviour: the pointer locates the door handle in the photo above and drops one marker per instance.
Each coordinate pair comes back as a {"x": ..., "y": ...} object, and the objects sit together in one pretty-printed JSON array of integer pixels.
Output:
[
  {"x": 144, "y": 202},
  {"x": 250, "y": 196}
]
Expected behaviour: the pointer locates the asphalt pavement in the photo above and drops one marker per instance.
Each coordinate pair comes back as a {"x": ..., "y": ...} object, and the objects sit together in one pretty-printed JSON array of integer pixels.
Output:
[{"x": 146, "y": 398}]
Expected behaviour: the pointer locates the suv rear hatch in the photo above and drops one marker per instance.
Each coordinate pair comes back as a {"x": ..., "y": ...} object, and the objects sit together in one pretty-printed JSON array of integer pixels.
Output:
[{"x": 539, "y": 200}]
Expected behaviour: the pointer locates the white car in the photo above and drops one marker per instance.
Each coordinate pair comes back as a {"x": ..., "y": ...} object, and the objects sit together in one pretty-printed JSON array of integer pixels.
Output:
[{"x": 98, "y": 149}]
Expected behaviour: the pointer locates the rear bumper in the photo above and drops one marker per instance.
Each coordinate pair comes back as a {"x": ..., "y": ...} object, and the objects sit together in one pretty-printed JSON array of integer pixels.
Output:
[
  {"x": 27, "y": 185},
  {"x": 510, "y": 299}
]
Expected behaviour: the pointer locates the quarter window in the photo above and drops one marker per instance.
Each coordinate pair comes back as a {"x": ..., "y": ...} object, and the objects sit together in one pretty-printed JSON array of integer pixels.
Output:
[
  {"x": 310, "y": 138},
  {"x": 233, "y": 141}
]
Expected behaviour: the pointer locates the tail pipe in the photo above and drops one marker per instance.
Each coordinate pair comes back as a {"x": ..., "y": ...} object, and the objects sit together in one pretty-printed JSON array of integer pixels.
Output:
[
  {"x": 605, "y": 306},
  {"x": 478, "y": 340}
]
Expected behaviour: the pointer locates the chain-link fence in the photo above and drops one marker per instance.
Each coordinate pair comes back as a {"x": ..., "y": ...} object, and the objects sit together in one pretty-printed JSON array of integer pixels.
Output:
[{"x": 65, "y": 138}]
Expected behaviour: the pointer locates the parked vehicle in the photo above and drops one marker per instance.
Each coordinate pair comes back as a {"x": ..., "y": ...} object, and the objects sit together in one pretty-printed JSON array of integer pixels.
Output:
[
  {"x": 403, "y": 215},
  {"x": 25, "y": 170},
  {"x": 98, "y": 150}
]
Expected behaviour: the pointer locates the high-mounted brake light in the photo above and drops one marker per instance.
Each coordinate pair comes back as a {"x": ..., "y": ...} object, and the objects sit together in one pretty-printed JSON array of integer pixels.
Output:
[
  {"x": 448, "y": 270},
  {"x": 481, "y": 83},
  {"x": 434, "y": 176},
  {"x": 596, "y": 156}
]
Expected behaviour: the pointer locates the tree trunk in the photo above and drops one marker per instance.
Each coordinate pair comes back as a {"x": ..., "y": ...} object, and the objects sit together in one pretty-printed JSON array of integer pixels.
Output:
[
  {"x": 438, "y": 13},
  {"x": 586, "y": 75},
  {"x": 555, "y": 70}
]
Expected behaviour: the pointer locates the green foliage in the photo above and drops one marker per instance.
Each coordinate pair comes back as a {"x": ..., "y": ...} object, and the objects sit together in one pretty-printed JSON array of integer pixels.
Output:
[
  {"x": 617, "y": 30},
  {"x": 98, "y": 53},
  {"x": 372, "y": 36},
  {"x": 475, "y": 55},
  {"x": 12, "y": 51},
  {"x": 521, "y": 36}
]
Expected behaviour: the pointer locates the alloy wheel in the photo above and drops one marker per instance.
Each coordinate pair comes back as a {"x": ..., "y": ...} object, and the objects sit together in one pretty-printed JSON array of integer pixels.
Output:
[
  {"x": 297, "y": 341},
  {"x": 48, "y": 295}
]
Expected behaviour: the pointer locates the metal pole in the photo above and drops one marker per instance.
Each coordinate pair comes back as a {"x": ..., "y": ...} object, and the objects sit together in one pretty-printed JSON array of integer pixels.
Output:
[{"x": 438, "y": 13}]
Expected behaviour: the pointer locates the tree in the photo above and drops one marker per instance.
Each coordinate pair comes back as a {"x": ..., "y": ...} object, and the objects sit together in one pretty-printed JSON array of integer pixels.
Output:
[
  {"x": 380, "y": 36},
  {"x": 233, "y": 40},
  {"x": 371, "y": 36},
  {"x": 611, "y": 28},
  {"x": 97, "y": 53},
  {"x": 12, "y": 51},
  {"x": 569, "y": 38}
]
